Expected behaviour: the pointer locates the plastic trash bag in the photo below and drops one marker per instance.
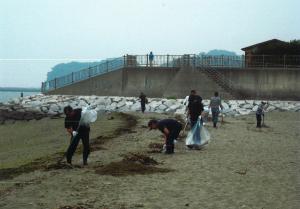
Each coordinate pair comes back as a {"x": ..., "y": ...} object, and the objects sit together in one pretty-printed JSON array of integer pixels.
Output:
[
  {"x": 88, "y": 116},
  {"x": 205, "y": 135},
  {"x": 199, "y": 135}
]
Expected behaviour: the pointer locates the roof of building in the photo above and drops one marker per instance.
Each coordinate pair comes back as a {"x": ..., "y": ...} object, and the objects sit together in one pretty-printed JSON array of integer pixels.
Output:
[{"x": 263, "y": 43}]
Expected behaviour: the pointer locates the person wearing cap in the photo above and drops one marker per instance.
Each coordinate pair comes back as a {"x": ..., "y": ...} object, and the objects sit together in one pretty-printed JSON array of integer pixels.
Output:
[
  {"x": 259, "y": 114},
  {"x": 170, "y": 128}
]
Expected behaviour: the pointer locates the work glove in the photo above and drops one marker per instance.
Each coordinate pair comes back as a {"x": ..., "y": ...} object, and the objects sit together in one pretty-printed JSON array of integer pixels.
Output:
[{"x": 74, "y": 133}]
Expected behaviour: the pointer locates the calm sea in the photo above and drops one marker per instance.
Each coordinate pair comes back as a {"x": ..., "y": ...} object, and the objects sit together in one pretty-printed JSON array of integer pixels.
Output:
[{"x": 7, "y": 95}]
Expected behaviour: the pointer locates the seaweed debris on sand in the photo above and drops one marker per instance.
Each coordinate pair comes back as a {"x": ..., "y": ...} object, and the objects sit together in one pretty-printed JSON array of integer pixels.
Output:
[{"x": 132, "y": 164}]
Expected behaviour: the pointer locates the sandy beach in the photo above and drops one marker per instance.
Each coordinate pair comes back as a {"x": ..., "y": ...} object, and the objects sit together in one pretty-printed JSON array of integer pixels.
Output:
[{"x": 242, "y": 167}]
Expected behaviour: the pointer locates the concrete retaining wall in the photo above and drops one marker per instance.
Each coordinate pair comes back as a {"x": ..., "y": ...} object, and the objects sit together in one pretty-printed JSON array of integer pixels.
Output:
[{"x": 279, "y": 84}]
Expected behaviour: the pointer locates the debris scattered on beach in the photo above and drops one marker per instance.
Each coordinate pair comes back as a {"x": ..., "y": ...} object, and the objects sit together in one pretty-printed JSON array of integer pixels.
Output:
[
  {"x": 61, "y": 165},
  {"x": 242, "y": 172},
  {"x": 139, "y": 158},
  {"x": 132, "y": 163},
  {"x": 155, "y": 147},
  {"x": 125, "y": 168},
  {"x": 72, "y": 207}
]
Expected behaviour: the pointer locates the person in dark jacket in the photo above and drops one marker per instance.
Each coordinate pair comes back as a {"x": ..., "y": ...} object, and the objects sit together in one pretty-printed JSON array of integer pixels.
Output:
[
  {"x": 170, "y": 128},
  {"x": 143, "y": 99},
  {"x": 78, "y": 131},
  {"x": 260, "y": 114},
  {"x": 195, "y": 107}
]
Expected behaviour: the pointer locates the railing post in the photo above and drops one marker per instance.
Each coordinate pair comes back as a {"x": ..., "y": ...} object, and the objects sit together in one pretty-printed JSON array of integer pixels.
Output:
[
  {"x": 72, "y": 80},
  {"x": 167, "y": 60},
  {"x": 222, "y": 60},
  {"x": 55, "y": 83},
  {"x": 42, "y": 87},
  {"x": 89, "y": 71},
  {"x": 124, "y": 61},
  {"x": 263, "y": 61},
  {"x": 284, "y": 66},
  {"x": 147, "y": 60},
  {"x": 107, "y": 66}
]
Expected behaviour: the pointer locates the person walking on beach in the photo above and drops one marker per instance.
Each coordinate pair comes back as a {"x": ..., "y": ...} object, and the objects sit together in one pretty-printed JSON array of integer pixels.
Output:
[
  {"x": 195, "y": 107},
  {"x": 170, "y": 128},
  {"x": 215, "y": 105},
  {"x": 143, "y": 100},
  {"x": 151, "y": 58},
  {"x": 259, "y": 114},
  {"x": 78, "y": 131}
]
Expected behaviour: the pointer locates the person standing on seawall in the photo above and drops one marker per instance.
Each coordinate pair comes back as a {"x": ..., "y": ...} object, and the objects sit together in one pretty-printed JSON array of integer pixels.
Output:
[{"x": 151, "y": 58}]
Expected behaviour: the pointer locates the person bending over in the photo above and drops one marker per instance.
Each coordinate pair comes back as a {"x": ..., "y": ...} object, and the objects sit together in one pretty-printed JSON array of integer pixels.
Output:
[
  {"x": 170, "y": 128},
  {"x": 78, "y": 131}
]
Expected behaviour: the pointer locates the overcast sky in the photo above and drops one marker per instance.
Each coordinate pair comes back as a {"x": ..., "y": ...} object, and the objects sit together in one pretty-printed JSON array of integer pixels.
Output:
[{"x": 63, "y": 30}]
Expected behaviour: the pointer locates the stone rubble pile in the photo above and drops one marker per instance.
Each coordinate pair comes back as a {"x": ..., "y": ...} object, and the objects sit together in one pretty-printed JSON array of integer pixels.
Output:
[{"x": 54, "y": 104}]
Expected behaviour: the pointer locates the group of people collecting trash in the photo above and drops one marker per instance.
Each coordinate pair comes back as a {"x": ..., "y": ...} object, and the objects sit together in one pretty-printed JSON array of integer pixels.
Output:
[
  {"x": 198, "y": 135},
  {"x": 77, "y": 124}
]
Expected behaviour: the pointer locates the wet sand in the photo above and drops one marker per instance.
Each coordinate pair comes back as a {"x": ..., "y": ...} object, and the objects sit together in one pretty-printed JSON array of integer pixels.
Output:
[{"x": 242, "y": 167}]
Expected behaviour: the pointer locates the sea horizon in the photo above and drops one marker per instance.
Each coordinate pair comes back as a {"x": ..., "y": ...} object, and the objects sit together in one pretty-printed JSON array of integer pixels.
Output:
[{"x": 6, "y": 95}]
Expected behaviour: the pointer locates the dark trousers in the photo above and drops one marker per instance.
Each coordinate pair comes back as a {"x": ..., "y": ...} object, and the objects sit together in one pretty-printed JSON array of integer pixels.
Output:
[
  {"x": 193, "y": 119},
  {"x": 85, "y": 137},
  {"x": 170, "y": 140},
  {"x": 258, "y": 121},
  {"x": 143, "y": 106}
]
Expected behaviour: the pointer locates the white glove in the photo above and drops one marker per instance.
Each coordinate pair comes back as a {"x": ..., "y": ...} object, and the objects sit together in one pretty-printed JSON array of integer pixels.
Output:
[
  {"x": 74, "y": 133},
  {"x": 164, "y": 148}
]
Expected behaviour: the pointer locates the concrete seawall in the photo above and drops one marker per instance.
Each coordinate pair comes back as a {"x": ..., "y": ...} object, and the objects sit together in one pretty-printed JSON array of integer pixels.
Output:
[{"x": 271, "y": 84}]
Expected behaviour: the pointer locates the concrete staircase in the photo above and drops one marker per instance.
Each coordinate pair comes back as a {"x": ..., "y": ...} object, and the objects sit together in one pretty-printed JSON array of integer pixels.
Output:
[{"x": 223, "y": 82}]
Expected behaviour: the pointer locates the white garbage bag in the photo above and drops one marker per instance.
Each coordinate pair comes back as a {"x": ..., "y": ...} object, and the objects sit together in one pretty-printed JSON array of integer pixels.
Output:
[
  {"x": 88, "y": 115},
  {"x": 199, "y": 135}
]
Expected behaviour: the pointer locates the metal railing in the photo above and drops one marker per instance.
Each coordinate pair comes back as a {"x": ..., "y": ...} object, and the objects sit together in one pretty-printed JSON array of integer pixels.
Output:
[{"x": 171, "y": 61}]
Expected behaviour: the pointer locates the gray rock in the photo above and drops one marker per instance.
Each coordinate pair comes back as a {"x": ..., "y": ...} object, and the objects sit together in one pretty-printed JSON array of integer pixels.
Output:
[
  {"x": 254, "y": 108},
  {"x": 206, "y": 102},
  {"x": 162, "y": 107},
  {"x": 247, "y": 106},
  {"x": 44, "y": 109},
  {"x": 54, "y": 108},
  {"x": 170, "y": 102},
  {"x": 135, "y": 107},
  {"x": 175, "y": 107},
  {"x": 225, "y": 105}
]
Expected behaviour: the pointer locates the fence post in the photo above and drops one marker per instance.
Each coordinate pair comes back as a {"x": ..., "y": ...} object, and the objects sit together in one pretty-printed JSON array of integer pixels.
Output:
[
  {"x": 89, "y": 72},
  {"x": 284, "y": 66},
  {"x": 147, "y": 60},
  {"x": 42, "y": 87},
  {"x": 72, "y": 77},
  {"x": 222, "y": 60},
  {"x": 124, "y": 61},
  {"x": 263, "y": 61},
  {"x": 107, "y": 66},
  {"x": 167, "y": 60},
  {"x": 55, "y": 83}
]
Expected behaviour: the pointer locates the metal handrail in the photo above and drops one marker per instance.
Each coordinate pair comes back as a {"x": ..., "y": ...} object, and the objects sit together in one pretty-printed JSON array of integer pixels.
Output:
[{"x": 171, "y": 61}]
